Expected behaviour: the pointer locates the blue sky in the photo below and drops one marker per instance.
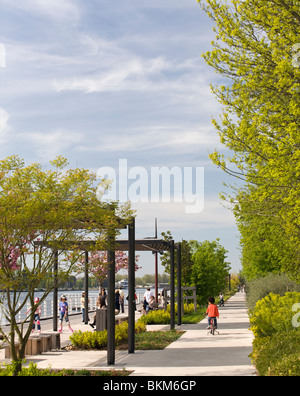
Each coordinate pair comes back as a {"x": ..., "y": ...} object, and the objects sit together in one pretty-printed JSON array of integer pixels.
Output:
[{"x": 99, "y": 80}]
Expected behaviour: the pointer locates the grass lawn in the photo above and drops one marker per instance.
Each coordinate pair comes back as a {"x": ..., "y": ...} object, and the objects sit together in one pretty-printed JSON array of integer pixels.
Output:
[
  {"x": 153, "y": 340},
  {"x": 194, "y": 317}
]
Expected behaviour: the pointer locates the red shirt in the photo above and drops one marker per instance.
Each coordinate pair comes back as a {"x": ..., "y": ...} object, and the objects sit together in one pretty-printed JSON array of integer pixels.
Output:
[{"x": 212, "y": 311}]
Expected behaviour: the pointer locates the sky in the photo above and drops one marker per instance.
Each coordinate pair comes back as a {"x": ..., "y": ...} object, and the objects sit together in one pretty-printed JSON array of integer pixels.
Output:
[{"x": 122, "y": 86}]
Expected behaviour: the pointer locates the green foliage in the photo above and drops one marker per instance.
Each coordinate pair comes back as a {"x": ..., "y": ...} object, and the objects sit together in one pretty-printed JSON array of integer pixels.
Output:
[
  {"x": 255, "y": 52},
  {"x": 156, "y": 317},
  {"x": 279, "y": 355},
  {"x": 210, "y": 269},
  {"x": 203, "y": 265},
  {"x": 52, "y": 206},
  {"x": 163, "y": 317},
  {"x": 156, "y": 340},
  {"x": 276, "y": 347},
  {"x": 193, "y": 317},
  {"x": 8, "y": 370},
  {"x": 186, "y": 259},
  {"x": 89, "y": 339},
  {"x": 259, "y": 288},
  {"x": 273, "y": 314},
  {"x": 147, "y": 279},
  {"x": 98, "y": 339}
]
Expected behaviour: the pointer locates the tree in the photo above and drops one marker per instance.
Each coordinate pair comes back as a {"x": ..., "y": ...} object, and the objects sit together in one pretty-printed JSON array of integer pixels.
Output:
[
  {"x": 203, "y": 265},
  {"x": 186, "y": 259},
  {"x": 98, "y": 265},
  {"x": 49, "y": 207},
  {"x": 210, "y": 270},
  {"x": 256, "y": 51},
  {"x": 266, "y": 247}
]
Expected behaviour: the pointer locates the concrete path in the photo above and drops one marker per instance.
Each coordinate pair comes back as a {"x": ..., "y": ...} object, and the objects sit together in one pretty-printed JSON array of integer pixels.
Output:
[
  {"x": 195, "y": 353},
  {"x": 198, "y": 353}
]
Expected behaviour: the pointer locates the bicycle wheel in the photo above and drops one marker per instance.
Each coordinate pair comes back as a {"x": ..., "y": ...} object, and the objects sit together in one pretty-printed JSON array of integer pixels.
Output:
[{"x": 212, "y": 327}]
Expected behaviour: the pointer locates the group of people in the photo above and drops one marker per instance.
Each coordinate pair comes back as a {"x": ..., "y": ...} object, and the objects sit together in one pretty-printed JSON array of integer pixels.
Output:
[
  {"x": 149, "y": 304},
  {"x": 63, "y": 314},
  {"x": 119, "y": 300}
]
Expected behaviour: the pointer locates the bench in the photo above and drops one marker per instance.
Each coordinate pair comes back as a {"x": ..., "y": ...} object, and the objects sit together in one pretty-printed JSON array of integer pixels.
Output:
[{"x": 37, "y": 344}]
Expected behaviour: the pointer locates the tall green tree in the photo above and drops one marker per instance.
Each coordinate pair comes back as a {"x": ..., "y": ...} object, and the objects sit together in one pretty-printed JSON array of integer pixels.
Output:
[
  {"x": 210, "y": 269},
  {"x": 256, "y": 50},
  {"x": 266, "y": 247},
  {"x": 48, "y": 206},
  {"x": 204, "y": 265}
]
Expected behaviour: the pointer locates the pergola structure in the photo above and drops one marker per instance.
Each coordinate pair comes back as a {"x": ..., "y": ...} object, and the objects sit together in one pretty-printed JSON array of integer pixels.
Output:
[{"x": 131, "y": 245}]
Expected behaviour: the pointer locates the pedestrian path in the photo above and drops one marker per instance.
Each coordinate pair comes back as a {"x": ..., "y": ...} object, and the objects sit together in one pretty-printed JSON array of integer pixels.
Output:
[
  {"x": 198, "y": 353},
  {"x": 195, "y": 353}
]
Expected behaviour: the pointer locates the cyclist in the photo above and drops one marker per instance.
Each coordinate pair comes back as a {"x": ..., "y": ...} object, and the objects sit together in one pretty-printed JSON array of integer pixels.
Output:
[
  {"x": 221, "y": 297},
  {"x": 212, "y": 312}
]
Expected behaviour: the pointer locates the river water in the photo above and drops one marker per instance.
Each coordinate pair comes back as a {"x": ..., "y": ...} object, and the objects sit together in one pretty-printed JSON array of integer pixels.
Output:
[{"x": 73, "y": 299}]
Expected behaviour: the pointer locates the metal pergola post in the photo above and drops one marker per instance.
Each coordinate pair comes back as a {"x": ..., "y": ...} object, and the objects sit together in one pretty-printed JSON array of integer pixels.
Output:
[
  {"x": 55, "y": 289},
  {"x": 111, "y": 304},
  {"x": 86, "y": 288},
  {"x": 131, "y": 286},
  {"x": 172, "y": 285},
  {"x": 179, "y": 293}
]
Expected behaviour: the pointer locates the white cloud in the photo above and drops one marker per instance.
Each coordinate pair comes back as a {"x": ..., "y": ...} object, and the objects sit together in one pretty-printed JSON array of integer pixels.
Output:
[
  {"x": 4, "y": 126},
  {"x": 132, "y": 74},
  {"x": 173, "y": 216},
  {"x": 56, "y": 9},
  {"x": 49, "y": 145},
  {"x": 176, "y": 138}
]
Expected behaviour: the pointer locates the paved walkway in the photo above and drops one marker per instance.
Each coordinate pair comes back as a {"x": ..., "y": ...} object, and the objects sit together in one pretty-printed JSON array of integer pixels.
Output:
[{"x": 195, "y": 353}]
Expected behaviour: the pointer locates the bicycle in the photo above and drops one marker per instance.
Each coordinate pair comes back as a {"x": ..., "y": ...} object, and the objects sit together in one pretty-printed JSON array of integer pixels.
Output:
[{"x": 212, "y": 327}]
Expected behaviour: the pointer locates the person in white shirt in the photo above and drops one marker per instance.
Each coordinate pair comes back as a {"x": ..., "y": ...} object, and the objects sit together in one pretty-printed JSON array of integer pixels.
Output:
[{"x": 148, "y": 295}]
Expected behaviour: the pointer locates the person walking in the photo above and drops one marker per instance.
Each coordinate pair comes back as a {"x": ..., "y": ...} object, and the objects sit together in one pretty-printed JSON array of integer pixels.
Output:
[
  {"x": 83, "y": 306},
  {"x": 37, "y": 316},
  {"x": 63, "y": 313}
]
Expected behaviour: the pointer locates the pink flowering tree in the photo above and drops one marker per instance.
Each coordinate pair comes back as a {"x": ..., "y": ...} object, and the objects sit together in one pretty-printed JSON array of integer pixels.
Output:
[
  {"x": 11, "y": 249},
  {"x": 98, "y": 264}
]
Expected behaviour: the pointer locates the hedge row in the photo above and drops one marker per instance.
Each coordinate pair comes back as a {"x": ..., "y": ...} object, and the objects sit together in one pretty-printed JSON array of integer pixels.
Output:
[
  {"x": 98, "y": 339},
  {"x": 275, "y": 323}
]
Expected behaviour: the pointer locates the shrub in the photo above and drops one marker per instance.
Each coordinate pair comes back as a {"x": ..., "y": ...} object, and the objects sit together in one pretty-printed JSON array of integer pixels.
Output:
[
  {"x": 289, "y": 366},
  {"x": 163, "y": 317},
  {"x": 276, "y": 347},
  {"x": 278, "y": 354},
  {"x": 121, "y": 332},
  {"x": 140, "y": 327},
  {"x": 98, "y": 339},
  {"x": 31, "y": 371},
  {"x": 187, "y": 308},
  {"x": 89, "y": 339},
  {"x": 273, "y": 314},
  {"x": 156, "y": 317},
  {"x": 259, "y": 288}
]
